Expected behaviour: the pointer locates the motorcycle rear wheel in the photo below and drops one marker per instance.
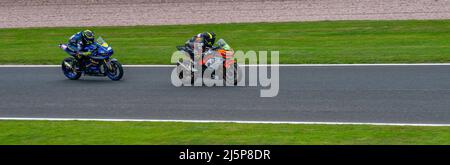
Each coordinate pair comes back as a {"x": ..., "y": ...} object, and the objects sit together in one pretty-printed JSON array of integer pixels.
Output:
[
  {"x": 187, "y": 78},
  {"x": 70, "y": 71}
]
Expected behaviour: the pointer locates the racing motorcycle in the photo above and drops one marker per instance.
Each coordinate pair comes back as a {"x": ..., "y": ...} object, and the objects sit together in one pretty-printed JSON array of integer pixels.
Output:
[
  {"x": 220, "y": 58},
  {"x": 99, "y": 63}
]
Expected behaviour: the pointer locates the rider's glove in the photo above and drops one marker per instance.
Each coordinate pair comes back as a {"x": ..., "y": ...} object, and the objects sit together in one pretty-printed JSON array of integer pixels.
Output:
[
  {"x": 78, "y": 55},
  {"x": 84, "y": 53}
]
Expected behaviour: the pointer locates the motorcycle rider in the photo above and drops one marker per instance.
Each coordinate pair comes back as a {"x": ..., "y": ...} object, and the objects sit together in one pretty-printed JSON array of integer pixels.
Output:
[
  {"x": 79, "y": 42},
  {"x": 206, "y": 38}
]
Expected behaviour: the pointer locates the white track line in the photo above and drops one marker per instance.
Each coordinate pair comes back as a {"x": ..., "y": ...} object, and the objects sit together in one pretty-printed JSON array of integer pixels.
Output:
[
  {"x": 224, "y": 121},
  {"x": 29, "y": 66},
  {"x": 281, "y": 65}
]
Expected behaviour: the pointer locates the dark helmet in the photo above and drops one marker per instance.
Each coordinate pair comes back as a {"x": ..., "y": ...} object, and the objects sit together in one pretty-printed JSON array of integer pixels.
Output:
[
  {"x": 210, "y": 38},
  {"x": 88, "y": 36}
]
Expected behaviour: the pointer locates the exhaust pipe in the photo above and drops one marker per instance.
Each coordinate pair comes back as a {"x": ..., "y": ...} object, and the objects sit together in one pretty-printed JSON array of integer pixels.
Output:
[
  {"x": 63, "y": 46},
  {"x": 186, "y": 68},
  {"x": 67, "y": 65}
]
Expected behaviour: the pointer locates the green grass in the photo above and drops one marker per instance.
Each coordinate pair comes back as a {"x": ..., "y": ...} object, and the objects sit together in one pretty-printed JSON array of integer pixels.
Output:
[
  {"x": 412, "y": 41},
  {"x": 89, "y": 132}
]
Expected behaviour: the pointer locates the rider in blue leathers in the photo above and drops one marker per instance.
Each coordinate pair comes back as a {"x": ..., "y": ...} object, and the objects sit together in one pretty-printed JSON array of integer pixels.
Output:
[{"x": 82, "y": 43}]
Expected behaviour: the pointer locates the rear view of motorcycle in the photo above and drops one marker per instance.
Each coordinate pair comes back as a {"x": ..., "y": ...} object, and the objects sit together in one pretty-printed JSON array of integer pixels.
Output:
[{"x": 99, "y": 63}]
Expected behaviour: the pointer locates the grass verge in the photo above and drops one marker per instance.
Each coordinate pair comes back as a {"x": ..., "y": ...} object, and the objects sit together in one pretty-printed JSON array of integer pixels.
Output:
[
  {"x": 91, "y": 132},
  {"x": 411, "y": 41}
]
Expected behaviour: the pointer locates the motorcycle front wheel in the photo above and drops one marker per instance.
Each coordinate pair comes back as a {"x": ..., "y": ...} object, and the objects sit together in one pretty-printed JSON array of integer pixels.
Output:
[
  {"x": 70, "y": 67},
  {"x": 232, "y": 76},
  {"x": 115, "y": 73}
]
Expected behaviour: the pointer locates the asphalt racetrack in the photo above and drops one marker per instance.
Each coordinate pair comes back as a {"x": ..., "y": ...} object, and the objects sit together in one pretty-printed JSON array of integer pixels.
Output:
[{"x": 384, "y": 94}]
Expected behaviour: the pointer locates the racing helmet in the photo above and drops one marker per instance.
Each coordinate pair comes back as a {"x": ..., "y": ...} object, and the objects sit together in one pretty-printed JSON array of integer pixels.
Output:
[
  {"x": 210, "y": 38},
  {"x": 88, "y": 36}
]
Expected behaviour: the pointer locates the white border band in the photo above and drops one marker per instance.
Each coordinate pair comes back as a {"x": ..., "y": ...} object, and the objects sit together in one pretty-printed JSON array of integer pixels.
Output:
[{"x": 224, "y": 121}]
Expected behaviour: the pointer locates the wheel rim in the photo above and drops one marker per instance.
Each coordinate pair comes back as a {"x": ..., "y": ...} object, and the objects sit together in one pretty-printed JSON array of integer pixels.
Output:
[
  {"x": 232, "y": 76},
  {"x": 114, "y": 72},
  {"x": 69, "y": 72}
]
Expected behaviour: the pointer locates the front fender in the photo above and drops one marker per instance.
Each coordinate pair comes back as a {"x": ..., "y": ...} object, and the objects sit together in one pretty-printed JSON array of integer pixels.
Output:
[{"x": 108, "y": 63}]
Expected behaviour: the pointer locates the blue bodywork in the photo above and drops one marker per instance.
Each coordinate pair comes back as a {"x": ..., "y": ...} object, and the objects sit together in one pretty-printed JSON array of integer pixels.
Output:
[{"x": 100, "y": 54}]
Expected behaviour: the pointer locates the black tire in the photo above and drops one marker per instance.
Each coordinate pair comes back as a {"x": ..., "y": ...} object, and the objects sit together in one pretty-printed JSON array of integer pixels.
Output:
[
  {"x": 117, "y": 71},
  {"x": 180, "y": 76},
  {"x": 236, "y": 74},
  {"x": 70, "y": 73}
]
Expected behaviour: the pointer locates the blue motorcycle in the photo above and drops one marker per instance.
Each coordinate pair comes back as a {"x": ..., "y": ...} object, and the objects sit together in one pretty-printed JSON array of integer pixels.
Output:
[{"x": 99, "y": 63}]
